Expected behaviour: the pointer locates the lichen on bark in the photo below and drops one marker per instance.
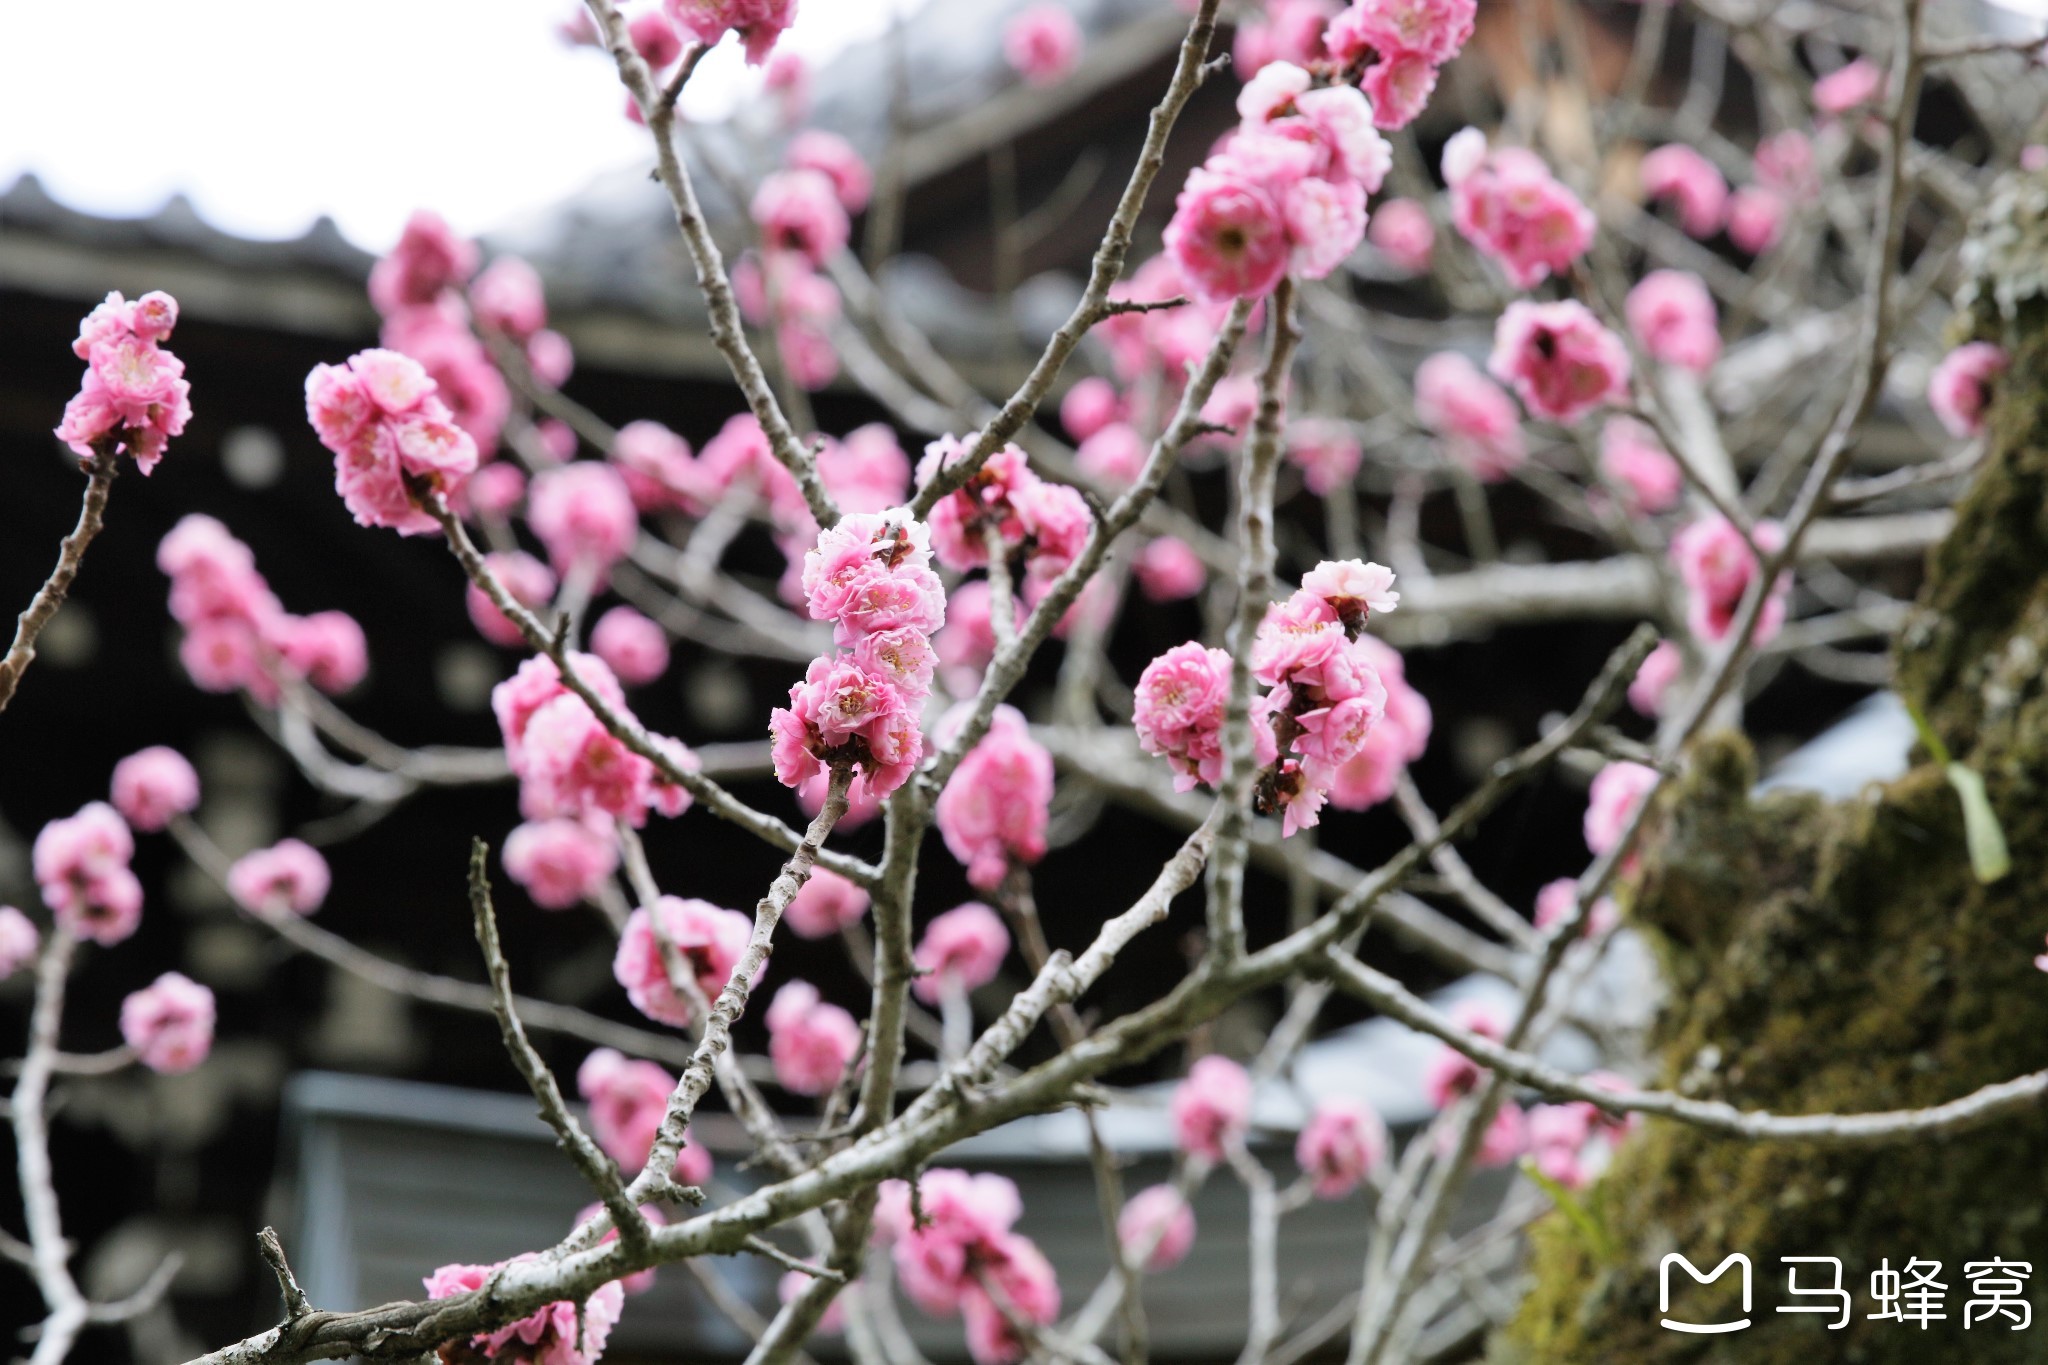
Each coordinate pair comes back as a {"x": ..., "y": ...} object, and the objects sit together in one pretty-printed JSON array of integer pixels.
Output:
[{"x": 1842, "y": 957}]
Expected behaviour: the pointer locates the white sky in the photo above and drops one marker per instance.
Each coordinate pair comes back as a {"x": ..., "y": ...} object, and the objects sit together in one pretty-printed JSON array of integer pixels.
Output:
[{"x": 268, "y": 113}]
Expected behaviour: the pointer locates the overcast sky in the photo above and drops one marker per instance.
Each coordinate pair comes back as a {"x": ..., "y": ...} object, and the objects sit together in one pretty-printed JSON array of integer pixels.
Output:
[{"x": 269, "y": 113}]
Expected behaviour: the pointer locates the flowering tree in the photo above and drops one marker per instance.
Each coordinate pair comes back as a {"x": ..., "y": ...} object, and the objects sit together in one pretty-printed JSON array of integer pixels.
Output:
[{"x": 1680, "y": 369}]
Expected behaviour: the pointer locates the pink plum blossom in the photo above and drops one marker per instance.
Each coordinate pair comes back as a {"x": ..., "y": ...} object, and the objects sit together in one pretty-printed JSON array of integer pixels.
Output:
[
  {"x": 708, "y": 939},
  {"x": 1679, "y": 175},
  {"x": 1618, "y": 790},
  {"x": 1212, "y": 1108},
  {"x": 169, "y": 1024},
  {"x": 1756, "y": 218},
  {"x": 1506, "y": 202},
  {"x": 799, "y": 211},
  {"x": 81, "y": 866},
  {"x": 19, "y": 941},
  {"x": 1450, "y": 1073},
  {"x": 659, "y": 470},
  {"x": 995, "y": 807},
  {"x": 1042, "y": 43},
  {"x": 1400, "y": 738},
  {"x": 153, "y": 787},
  {"x": 508, "y": 297},
  {"x": 1089, "y": 406},
  {"x": 561, "y": 862},
  {"x": 1654, "y": 679},
  {"x": 1560, "y": 898},
  {"x": 429, "y": 259},
  {"x": 1179, "y": 708},
  {"x": 810, "y": 1041},
  {"x": 962, "y": 950},
  {"x": 134, "y": 397},
  {"x": 1113, "y": 454},
  {"x": 1559, "y": 359},
  {"x": 825, "y": 904},
  {"x": 394, "y": 440},
  {"x": 289, "y": 877},
  {"x": 1228, "y": 236},
  {"x": 1158, "y": 1225},
  {"x": 759, "y": 23},
  {"x": 584, "y": 514},
  {"x": 635, "y": 647},
  {"x": 1848, "y": 87},
  {"x": 1342, "y": 1143},
  {"x": 494, "y": 492},
  {"x": 561, "y": 1333},
  {"x": 1673, "y": 315},
  {"x": 1168, "y": 570},
  {"x": 1960, "y": 387},
  {"x": 628, "y": 1098},
  {"x": 1030, "y": 1289},
  {"x": 1716, "y": 568},
  {"x": 1475, "y": 421},
  {"x": 832, "y": 156},
  {"x": 1402, "y": 231},
  {"x": 1636, "y": 461},
  {"x": 1397, "y": 47}
]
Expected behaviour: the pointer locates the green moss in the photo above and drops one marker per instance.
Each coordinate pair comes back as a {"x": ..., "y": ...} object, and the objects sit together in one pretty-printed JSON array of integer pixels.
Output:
[{"x": 1841, "y": 957}]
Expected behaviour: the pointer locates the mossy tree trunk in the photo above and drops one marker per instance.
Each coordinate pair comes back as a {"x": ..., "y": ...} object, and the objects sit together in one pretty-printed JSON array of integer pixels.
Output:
[{"x": 1842, "y": 957}]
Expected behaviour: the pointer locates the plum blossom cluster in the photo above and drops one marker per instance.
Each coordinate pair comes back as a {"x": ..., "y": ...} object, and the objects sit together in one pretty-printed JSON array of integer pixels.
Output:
[
  {"x": 561, "y": 1333},
  {"x": 858, "y": 708},
  {"x": 288, "y": 878},
  {"x": 238, "y": 636},
  {"x": 1212, "y": 1108},
  {"x": 135, "y": 397},
  {"x": 956, "y": 1251},
  {"x": 1326, "y": 694},
  {"x": 1394, "y": 49},
  {"x": 994, "y": 810},
  {"x": 1341, "y": 1145},
  {"x": 168, "y": 1024},
  {"x": 82, "y": 867},
  {"x": 961, "y": 951},
  {"x": 395, "y": 440},
  {"x": 1505, "y": 201},
  {"x": 1283, "y": 194},
  {"x": 569, "y": 765},
  {"x": 1038, "y": 526},
  {"x": 1402, "y": 734}
]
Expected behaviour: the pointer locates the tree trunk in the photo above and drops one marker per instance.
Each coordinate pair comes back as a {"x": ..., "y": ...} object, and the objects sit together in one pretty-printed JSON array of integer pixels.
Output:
[{"x": 1842, "y": 957}]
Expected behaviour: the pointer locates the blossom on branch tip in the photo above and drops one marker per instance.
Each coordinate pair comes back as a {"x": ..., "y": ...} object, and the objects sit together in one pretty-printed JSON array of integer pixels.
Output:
[
  {"x": 1673, "y": 315},
  {"x": 962, "y": 949},
  {"x": 289, "y": 877},
  {"x": 1506, "y": 202},
  {"x": 1404, "y": 233},
  {"x": 153, "y": 786},
  {"x": 1654, "y": 679},
  {"x": 1716, "y": 567},
  {"x": 584, "y": 514},
  {"x": 1157, "y": 1217},
  {"x": 134, "y": 397},
  {"x": 394, "y": 440},
  {"x": 1169, "y": 570},
  {"x": 1042, "y": 43},
  {"x": 1212, "y": 1108},
  {"x": 799, "y": 210},
  {"x": 561, "y": 862},
  {"x": 1633, "y": 457},
  {"x": 810, "y": 1041},
  {"x": 1619, "y": 789},
  {"x": 1342, "y": 1143},
  {"x": 635, "y": 647},
  {"x": 81, "y": 866},
  {"x": 169, "y": 1024}
]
